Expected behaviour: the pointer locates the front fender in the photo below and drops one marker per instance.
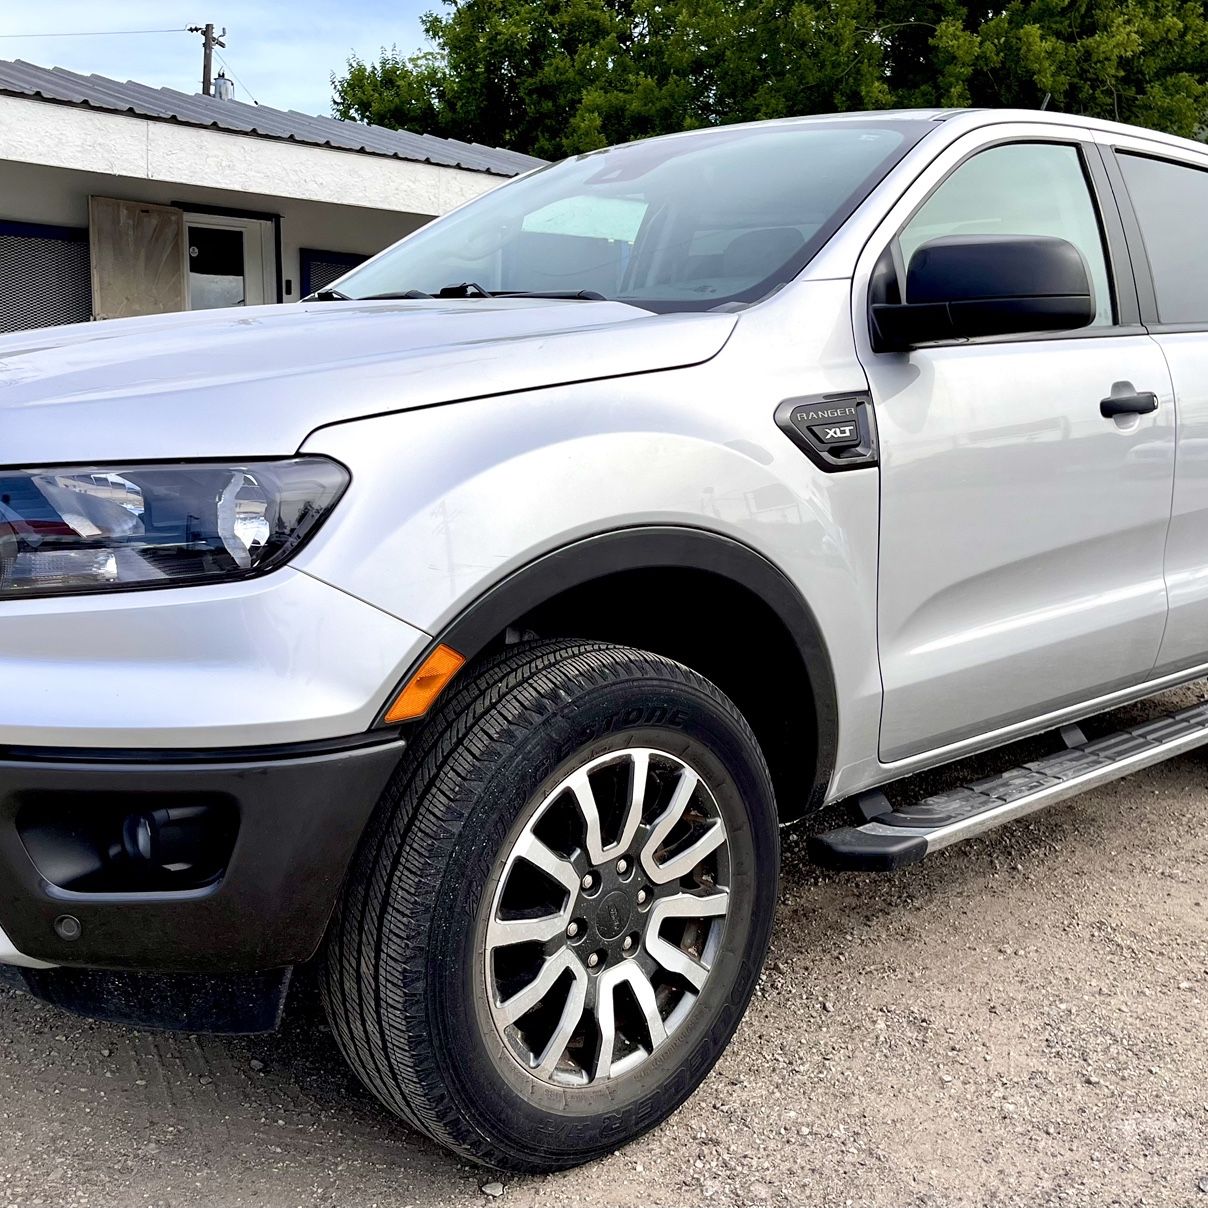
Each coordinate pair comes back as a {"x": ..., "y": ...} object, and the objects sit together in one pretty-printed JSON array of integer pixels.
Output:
[{"x": 447, "y": 502}]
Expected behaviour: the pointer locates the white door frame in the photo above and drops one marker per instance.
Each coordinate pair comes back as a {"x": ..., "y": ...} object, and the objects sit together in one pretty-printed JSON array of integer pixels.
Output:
[{"x": 259, "y": 251}]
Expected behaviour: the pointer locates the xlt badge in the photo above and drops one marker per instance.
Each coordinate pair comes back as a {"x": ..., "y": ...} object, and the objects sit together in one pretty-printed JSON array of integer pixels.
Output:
[{"x": 836, "y": 432}]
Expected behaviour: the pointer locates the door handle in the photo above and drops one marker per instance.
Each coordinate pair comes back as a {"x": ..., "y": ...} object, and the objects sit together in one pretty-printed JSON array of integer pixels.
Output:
[{"x": 1135, "y": 402}]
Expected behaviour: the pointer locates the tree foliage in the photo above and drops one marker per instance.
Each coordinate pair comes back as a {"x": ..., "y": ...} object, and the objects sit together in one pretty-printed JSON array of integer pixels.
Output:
[{"x": 556, "y": 77}]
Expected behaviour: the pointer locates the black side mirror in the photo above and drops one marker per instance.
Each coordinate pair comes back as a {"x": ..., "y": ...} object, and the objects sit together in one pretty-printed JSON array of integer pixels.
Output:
[{"x": 964, "y": 286}]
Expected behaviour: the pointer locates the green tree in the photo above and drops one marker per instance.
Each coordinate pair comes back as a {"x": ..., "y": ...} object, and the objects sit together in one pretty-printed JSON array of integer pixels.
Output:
[{"x": 556, "y": 77}]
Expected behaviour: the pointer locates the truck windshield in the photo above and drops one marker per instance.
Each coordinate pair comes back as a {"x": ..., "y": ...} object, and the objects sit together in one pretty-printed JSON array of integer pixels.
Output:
[{"x": 688, "y": 222}]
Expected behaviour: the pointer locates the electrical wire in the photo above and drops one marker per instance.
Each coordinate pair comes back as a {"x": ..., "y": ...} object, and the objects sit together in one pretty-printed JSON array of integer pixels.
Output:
[
  {"x": 99, "y": 33},
  {"x": 227, "y": 68}
]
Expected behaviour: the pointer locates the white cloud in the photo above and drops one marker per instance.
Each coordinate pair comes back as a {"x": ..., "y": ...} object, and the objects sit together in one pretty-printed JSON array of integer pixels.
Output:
[{"x": 282, "y": 53}]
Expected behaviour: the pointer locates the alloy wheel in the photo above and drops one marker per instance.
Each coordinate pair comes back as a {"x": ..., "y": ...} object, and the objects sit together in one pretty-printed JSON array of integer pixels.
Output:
[{"x": 607, "y": 916}]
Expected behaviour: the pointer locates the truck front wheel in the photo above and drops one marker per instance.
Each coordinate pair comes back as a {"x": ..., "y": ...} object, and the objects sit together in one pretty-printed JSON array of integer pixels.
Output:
[{"x": 558, "y": 915}]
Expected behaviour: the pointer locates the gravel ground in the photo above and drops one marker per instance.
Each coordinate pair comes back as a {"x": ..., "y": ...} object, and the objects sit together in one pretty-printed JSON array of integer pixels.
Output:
[{"x": 1022, "y": 1020}]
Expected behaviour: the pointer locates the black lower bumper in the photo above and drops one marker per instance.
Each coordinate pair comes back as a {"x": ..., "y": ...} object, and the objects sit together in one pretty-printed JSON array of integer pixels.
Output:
[{"x": 292, "y": 821}]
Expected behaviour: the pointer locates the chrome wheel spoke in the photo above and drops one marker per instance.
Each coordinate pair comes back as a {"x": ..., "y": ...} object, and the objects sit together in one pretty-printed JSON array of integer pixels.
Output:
[
  {"x": 682, "y": 863},
  {"x": 586, "y": 799},
  {"x": 685, "y": 860},
  {"x": 643, "y": 993},
  {"x": 503, "y": 932},
  {"x": 572, "y": 1013},
  {"x": 557, "y": 867},
  {"x": 640, "y": 765},
  {"x": 606, "y": 1022},
  {"x": 685, "y": 787},
  {"x": 683, "y": 906},
  {"x": 523, "y": 1001}
]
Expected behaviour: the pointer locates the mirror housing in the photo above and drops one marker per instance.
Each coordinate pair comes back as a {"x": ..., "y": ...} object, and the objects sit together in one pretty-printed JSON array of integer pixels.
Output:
[{"x": 965, "y": 286}]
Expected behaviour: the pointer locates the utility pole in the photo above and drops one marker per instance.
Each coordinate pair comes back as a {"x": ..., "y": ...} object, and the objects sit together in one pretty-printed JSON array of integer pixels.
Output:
[{"x": 208, "y": 41}]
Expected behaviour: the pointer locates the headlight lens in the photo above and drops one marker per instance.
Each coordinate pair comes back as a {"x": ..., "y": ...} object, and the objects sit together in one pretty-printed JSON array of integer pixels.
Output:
[{"x": 74, "y": 529}]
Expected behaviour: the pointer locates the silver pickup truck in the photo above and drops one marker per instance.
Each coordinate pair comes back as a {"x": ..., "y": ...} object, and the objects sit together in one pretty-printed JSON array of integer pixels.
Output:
[{"x": 474, "y": 626}]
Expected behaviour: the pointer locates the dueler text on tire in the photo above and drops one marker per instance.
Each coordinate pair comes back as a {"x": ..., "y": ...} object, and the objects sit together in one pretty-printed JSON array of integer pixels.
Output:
[{"x": 558, "y": 915}]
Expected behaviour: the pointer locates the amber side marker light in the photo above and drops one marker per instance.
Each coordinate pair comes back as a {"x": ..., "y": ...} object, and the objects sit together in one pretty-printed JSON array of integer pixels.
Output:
[{"x": 428, "y": 682}]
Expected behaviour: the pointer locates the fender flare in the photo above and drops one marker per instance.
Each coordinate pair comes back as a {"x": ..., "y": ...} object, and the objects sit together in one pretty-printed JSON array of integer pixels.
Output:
[{"x": 663, "y": 547}]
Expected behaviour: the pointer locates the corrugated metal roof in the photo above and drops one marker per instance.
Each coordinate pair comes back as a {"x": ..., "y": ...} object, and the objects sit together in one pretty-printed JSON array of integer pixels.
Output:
[{"x": 56, "y": 84}]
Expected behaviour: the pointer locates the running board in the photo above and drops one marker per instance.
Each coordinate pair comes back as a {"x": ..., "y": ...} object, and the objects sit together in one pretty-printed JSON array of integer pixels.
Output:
[{"x": 893, "y": 838}]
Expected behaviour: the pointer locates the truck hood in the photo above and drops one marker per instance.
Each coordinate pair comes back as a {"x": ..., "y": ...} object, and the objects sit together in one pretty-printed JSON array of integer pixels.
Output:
[{"x": 255, "y": 382}]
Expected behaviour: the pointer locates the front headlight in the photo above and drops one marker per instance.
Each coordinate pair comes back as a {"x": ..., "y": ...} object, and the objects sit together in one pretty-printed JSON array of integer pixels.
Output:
[{"x": 70, "y": 529}]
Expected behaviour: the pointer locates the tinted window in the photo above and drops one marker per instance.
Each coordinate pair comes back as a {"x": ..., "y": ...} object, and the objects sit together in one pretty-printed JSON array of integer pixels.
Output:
[
  {"x": 1019, "y": 189},
  {"x": 1171, "y": 201},
  {"x": 687, "y": 222}
]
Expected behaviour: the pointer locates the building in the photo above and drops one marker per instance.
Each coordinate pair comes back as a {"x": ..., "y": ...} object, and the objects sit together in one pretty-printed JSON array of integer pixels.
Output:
[{"x": 120, "y": 199}]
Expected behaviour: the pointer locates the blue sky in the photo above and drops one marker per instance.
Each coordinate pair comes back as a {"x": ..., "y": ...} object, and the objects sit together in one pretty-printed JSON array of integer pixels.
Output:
[{"x": 283, "y": 52}]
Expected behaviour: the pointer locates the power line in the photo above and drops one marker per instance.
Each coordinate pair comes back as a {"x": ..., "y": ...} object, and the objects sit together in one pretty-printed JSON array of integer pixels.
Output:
[
  {"x": 227, "y": 68},
  {"x": 99, "y": 33}
]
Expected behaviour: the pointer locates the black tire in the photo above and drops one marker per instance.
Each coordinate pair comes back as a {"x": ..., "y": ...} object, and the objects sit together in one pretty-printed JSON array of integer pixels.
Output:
[{"x": 403, "y": 986}]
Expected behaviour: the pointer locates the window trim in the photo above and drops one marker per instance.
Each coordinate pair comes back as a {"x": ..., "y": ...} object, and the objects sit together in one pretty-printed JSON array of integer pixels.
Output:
[
  {"x": 36, "y": 230},
  {"x": 1119, "y": 261},
  {"x": 1147, "y": 289}
]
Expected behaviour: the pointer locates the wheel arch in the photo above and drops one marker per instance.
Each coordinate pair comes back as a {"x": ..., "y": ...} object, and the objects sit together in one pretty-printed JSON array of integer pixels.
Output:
[{"x": 769, "y": 656}]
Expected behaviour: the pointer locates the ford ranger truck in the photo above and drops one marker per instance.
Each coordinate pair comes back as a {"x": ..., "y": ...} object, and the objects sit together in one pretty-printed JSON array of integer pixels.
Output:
[{"x": 472, "y": 628}]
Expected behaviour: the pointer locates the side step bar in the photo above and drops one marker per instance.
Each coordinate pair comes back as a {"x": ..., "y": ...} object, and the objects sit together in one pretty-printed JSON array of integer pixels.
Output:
[{"x": 894, "y": 838}]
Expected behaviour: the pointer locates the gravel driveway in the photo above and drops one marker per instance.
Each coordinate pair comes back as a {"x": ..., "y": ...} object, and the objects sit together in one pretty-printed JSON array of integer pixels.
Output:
[{"x": 1023, "y": 1020}]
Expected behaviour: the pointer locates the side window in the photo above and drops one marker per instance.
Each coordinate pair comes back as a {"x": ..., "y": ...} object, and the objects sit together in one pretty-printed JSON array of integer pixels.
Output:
[
  {"x": 1018, "y": 189},
  {"x": 1171, "y": 201}
]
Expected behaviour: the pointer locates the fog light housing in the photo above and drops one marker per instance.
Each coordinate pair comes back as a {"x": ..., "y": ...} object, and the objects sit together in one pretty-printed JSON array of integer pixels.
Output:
[
  {"x": 177, "y": 839},
  {"x": 110, "y": 843}
]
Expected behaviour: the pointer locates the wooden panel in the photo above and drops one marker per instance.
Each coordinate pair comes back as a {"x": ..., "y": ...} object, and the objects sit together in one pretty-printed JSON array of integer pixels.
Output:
[{"x": 138, "y": 258}]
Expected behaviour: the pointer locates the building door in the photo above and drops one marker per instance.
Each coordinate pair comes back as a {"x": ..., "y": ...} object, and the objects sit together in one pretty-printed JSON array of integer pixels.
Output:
[
  {"x": 137, "y": 258},
  {"x": 232, "y": 261}
]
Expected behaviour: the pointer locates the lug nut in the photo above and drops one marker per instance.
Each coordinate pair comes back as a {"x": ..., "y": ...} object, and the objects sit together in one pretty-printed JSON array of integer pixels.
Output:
[
  {"x": 588, "y": 880},
  {"x": 642, "y": 895},
  {"x": 622, "y": 866},
  {"x": 593, "y": 960},
  {"x": 627, "y": 943},
  {"x": 572, "y": 930}
]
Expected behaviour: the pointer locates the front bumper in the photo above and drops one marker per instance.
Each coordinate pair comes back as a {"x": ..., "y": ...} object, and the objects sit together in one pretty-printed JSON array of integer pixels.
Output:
[
  {"x": 298, "y": 815},
  {"x": 279, "y": 659}
]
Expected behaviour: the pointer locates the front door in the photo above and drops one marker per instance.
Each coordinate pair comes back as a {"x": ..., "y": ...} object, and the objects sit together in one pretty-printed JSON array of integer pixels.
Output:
[{"x": 1022, "y": 531}]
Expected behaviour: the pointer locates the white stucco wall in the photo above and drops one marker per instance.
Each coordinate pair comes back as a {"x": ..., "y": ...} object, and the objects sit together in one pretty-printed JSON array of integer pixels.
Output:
[
  {"x": 68, "y": 136},
  {"x": 59, "y": 197}
]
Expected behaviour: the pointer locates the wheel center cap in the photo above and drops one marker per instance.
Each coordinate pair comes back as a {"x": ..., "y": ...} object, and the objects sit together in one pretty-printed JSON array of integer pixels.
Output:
[{"x": 613, "y": 914}]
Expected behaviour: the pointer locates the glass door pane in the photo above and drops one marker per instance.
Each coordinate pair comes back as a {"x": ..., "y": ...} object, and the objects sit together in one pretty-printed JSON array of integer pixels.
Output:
[{"x": 216, "y": 267}]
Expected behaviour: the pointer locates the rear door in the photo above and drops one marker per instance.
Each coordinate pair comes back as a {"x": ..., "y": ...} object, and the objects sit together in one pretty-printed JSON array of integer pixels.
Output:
[
  {"x": 1164, "y": 199},
  {"x": 1022, "y": 531}
]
